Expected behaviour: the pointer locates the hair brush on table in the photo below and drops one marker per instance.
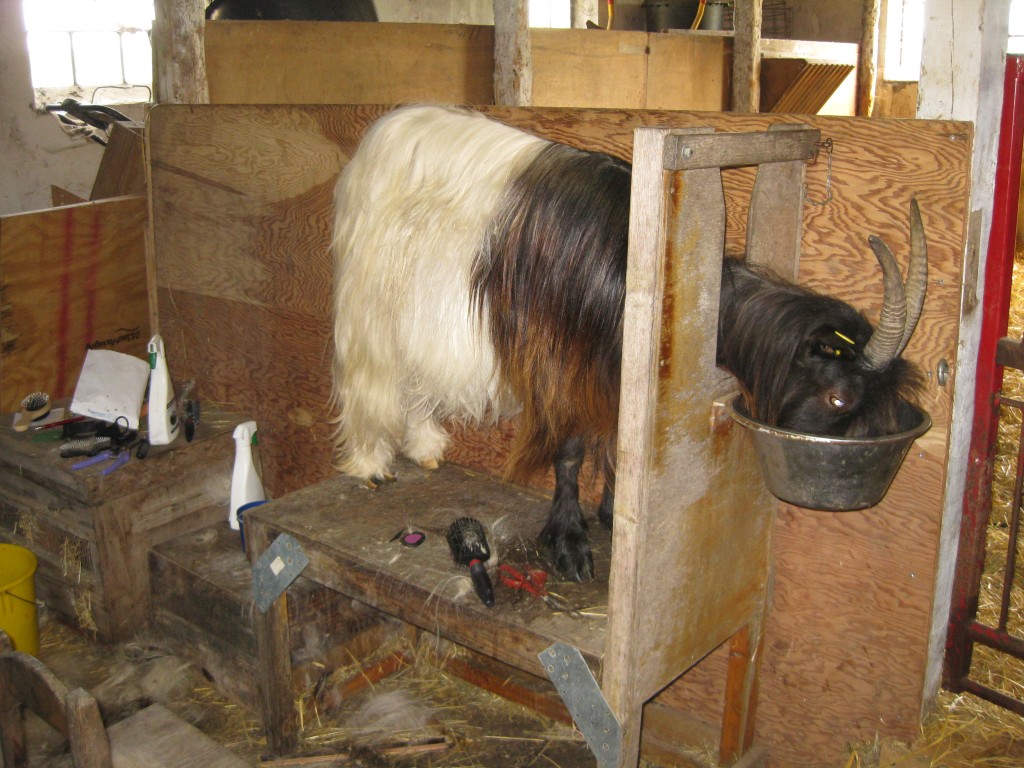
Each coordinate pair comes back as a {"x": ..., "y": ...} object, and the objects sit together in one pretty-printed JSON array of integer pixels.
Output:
[{"x": 469, "y": 548}]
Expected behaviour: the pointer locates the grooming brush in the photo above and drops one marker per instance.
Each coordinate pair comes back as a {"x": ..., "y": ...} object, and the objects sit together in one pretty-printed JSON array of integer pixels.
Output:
[
  {"x": 33, "y": 407},
  {"x": 84, "y": 446},
  {"x": 468, "y": 544}
]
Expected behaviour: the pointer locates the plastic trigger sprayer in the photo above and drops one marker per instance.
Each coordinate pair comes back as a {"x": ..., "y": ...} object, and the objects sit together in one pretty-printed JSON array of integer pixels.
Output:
[
  {"x": 469, "y": 548},
  {"x": 246, "y": 485}
]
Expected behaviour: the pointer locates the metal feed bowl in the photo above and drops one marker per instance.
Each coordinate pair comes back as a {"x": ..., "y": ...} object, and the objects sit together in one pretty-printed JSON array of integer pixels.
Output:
[{"x": 834, "y": 474}]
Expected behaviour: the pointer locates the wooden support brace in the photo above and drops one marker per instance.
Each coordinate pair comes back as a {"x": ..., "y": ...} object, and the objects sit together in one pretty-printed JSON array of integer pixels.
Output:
[{"x": 274, "y": 649}]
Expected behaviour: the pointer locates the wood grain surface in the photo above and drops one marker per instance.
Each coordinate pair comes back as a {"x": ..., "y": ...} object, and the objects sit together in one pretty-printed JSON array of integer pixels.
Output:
[{"x": 242, "y": 218}]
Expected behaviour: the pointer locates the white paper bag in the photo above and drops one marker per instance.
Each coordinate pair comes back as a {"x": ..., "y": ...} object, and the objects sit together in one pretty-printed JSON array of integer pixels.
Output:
[{"x": 111, "y": 385}]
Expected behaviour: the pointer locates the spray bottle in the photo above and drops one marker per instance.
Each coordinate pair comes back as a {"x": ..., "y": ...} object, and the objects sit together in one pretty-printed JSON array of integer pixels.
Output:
[
  {"x": 163, "y": 412},
  {"x": 246, "y": 486}
]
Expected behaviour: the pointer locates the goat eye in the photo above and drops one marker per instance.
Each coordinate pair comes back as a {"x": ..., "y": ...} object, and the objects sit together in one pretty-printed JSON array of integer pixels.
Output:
[{"x": 836, "y": 402}]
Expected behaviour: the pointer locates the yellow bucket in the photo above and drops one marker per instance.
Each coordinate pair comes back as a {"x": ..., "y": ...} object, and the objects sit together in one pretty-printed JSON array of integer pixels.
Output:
[{"x": 18, "y": 615}]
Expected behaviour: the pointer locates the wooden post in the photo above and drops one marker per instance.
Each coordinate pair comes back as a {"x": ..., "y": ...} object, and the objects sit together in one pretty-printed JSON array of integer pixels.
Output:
[
  {"x": 867, "y": 61},
  {"x": 513, "y": 61},
  {"x": 277, "y": 703},
  {"x": 582, "y": 11},
  {"x": 179, "y": 60},
  {"x": 746, "y": 62}
]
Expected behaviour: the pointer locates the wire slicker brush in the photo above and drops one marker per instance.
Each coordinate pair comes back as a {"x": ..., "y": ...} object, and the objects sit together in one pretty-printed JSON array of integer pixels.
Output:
[
  {"x": 469, "y": 548},
  {"x": 33, "y": 407},
  {"x": 84, "y": 446}
]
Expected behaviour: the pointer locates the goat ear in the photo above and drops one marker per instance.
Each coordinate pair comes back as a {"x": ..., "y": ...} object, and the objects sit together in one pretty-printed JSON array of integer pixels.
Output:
[{"x": 832, "y": 344}]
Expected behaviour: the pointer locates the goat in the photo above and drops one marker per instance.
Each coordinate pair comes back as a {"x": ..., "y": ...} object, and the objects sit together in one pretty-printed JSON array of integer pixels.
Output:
[{"x": 480, "y": 273}]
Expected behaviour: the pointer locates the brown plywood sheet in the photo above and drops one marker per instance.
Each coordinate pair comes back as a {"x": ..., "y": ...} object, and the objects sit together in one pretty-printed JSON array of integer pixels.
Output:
[{"x": 71, "y": 278}]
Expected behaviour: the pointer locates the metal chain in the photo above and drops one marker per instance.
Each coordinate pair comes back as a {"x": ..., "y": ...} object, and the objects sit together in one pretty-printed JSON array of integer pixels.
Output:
[{"x": 827, "y": 145}]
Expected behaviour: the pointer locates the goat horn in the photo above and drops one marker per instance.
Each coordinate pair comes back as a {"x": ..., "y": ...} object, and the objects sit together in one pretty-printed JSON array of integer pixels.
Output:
[
  {"x": 882, "y": 347},
  {"x": 917, "y": 275}
]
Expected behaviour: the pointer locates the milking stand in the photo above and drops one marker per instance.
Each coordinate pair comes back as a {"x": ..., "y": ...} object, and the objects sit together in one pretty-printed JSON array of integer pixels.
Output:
[{"x": 691, "y": 549}]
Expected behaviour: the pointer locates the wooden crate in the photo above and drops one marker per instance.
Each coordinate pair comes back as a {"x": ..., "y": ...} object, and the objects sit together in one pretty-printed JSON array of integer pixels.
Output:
[
  {"x": 201, "y": 585},
  {"x": 92, "y": 533}
]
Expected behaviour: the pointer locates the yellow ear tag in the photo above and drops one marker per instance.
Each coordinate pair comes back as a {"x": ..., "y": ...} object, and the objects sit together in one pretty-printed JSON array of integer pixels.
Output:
[{"x": 847, "y": 339}]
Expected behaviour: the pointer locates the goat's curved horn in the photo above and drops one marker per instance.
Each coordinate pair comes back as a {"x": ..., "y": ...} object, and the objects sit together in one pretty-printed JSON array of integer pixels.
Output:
[
  {"x": 917, "y": 275},
  {"x": 882, "y": 347}
]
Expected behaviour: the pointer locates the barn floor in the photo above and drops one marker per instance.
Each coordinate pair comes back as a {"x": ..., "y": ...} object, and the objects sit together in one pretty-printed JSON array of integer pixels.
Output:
[
  {"x": 418, "y": 716},
  {"x": 422, "y": 717}
]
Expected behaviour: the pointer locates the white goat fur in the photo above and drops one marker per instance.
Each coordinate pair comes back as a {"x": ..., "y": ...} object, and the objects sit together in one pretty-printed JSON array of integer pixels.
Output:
[{"x": 412, "y": 209}]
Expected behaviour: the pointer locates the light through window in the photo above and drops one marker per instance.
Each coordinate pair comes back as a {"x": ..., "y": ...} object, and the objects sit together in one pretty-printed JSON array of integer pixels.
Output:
[{"x": 97, "y": 51}]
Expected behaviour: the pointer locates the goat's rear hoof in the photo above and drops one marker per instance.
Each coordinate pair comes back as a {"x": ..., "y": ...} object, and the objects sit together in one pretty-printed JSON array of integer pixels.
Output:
[
  {"x": 373, "y": 483},
  {"x": 571, "y": 555},
  {"x": 430, "y": 464}
]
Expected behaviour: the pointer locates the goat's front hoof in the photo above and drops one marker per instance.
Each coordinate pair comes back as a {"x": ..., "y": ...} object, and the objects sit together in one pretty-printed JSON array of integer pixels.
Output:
[
  {"x": 570, "y": 554},
  {"x": 375, "y": 482}
]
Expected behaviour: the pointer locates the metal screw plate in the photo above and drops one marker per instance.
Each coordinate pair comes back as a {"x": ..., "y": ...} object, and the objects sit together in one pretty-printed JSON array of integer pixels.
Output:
[{"x": 582, "y": 696}]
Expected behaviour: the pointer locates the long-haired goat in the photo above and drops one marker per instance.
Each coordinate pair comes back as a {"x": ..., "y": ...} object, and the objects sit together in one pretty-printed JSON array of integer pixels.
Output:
[{"x": 481, "y": 273}]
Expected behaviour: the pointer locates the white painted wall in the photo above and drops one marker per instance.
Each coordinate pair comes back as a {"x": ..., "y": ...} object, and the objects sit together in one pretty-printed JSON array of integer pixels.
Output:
[
  {"x": 34, "y": 151},
  {"x": 962, "y": 79}
]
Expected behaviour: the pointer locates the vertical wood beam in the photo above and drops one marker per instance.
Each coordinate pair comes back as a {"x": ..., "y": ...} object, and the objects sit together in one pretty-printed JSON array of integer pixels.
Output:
[
  {"x": 582, "y": 11},
  {"x": 179, "y": 59},
  {"x": 513, "y": 60},
  {"x": 746, "y": 57},
  {"x": 867, "y": 60},
  {"x": 274, "y": 673}
]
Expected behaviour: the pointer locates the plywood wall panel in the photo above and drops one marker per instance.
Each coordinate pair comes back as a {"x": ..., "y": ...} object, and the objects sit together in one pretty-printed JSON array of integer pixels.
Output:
[
  {"x": 244, "y": 286},
  {"x": 72, "y": 278}
]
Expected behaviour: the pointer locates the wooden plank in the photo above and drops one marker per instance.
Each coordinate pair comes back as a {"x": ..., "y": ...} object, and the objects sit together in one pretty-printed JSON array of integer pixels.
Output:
[
  {"x": 72, "y": 278},
  {"x": 673, "y": 54},
  {"x": 122, "y": 168},
  {"x": 251, "y": 62},
  {"x": 513, "y": 60},
  {"x": 156, "y": 736},
  {"x": 247, "y": 294},
  {"x": 812, "y": 88},
  {"x": 726, "y": 150},
  {"x": 584, "y": 68},
  {"x": 746, "y": 64}
]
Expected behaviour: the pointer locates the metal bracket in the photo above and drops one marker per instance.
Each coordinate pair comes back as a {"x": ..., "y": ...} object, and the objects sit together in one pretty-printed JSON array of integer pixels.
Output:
[
  {"x": 582, "y": 696},
  {"x": 275, "y": 570}
]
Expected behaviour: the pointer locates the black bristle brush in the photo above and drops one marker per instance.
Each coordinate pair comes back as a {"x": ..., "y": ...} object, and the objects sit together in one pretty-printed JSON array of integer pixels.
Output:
[
  {"x": 33, "y": 407},
  {"x": 469, "y": 548}
]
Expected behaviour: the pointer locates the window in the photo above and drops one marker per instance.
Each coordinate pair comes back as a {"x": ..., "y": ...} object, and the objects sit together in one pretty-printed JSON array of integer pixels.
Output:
[
  {"x": 1016, "y": 42},
  {"x": 549, "y": 13},
  {"x": 904, "y": 34},
  {"x": 97, "y": 51}
]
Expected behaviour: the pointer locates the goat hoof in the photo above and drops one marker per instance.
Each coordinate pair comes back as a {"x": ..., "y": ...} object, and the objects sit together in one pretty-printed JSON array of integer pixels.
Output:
[
  {"x": 373, "y": 483},
  {"x": 431, "y": 463},
  {"x": 571, "y": 557}
]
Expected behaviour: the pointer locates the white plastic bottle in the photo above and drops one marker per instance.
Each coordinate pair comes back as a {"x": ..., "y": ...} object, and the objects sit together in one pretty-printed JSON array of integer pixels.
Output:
[
  {"x": 246, "y": 485},
  {"x": 163, "y": 412}
]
